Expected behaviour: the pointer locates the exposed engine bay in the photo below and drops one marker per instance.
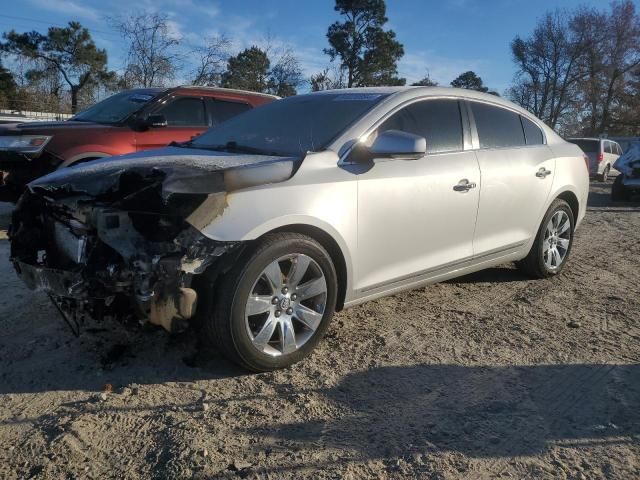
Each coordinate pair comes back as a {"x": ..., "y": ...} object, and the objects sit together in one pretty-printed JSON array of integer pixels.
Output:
[{"x": 121, "y": 237}]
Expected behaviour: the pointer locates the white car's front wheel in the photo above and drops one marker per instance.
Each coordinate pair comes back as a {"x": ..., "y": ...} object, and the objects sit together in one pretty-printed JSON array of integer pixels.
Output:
[{"x": 274, "y": 305}]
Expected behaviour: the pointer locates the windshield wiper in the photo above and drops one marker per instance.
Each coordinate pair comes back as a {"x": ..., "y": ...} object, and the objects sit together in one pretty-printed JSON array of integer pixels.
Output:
[
  {"x": 235, "y": 148},
  {"x": 180, "y": 144}
]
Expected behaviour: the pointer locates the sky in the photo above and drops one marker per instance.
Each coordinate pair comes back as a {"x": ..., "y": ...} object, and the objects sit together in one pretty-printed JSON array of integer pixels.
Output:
[{"x": 441, "y": 38}]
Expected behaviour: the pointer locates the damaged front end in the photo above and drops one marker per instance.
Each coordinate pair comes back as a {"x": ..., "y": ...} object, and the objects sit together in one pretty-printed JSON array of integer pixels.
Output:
[{"x": 121, "y": 237}]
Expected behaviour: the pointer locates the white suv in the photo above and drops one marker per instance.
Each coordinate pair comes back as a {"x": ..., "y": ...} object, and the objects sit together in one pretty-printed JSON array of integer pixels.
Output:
[
  {"x": 602, "y": 155},
  {"x": 264, "y": 226}
]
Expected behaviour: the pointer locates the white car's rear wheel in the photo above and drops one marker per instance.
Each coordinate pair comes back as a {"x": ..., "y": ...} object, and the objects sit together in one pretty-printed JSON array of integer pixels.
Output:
[
  {"x": 274, "y": 305},
  {"x": 552, "y": 245}
]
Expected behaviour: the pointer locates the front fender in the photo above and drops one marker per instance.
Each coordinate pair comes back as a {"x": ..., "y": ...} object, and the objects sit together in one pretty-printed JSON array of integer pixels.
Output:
[
  {"x": 224, "y": 229},
  {"x": 320, "y": 195}
]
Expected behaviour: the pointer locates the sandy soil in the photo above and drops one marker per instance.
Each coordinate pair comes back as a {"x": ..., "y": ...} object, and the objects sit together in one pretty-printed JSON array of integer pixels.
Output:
[{"x": 488, "y": 376}]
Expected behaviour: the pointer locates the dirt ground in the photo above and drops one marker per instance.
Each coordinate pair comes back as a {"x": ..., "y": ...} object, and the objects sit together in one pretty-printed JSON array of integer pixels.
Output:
[{"x": 488, "y": 376}]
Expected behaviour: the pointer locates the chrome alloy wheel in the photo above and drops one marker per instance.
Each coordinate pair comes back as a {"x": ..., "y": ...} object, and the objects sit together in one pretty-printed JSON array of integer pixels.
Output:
[
  {"x": 557, "y": 239},
  {"x": 286, "y": 304}
]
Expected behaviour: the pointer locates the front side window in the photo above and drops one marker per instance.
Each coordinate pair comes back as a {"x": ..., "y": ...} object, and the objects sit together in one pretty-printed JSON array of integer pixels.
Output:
[
  {"x": 186, "y": 111},
  {"x": 497, "y": 127},
  {"x": 533, "y": 134},
  {"x": 224, "y": 110},
  {"x": 438, "y": 121}
]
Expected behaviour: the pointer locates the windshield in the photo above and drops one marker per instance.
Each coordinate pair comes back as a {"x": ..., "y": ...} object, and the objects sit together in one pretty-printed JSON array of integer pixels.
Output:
[
  {"x": 588, "y": 146},
  {"x": 292, "y": 126},
  {"x": 115, "y": 108}
]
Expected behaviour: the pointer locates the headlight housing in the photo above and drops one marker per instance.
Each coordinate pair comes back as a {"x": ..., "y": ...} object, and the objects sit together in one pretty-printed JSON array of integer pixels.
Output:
[{"x": 24, "y": 143}]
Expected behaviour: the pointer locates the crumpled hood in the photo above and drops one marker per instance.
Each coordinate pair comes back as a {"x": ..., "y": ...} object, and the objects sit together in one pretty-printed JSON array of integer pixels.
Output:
[
  {"x": 176, "y": 169},
  {"x": 629, "y": 160}
]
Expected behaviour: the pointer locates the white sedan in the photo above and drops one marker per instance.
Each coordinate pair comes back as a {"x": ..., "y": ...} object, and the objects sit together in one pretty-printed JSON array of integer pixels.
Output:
[{"x": 258, "y": 230}]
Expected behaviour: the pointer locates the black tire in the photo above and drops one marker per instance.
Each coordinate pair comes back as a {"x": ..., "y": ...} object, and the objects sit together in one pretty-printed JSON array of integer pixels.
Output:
[
  {"x": 533, "y": 264},
  {"x": 604, "y": 176},
  {"x": 618, "y": 191},
  {"x": 222, "y": 312}
]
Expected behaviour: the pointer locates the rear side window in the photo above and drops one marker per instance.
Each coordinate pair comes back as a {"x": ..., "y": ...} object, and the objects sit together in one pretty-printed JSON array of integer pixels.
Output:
[
  {"x": 224, "y": 110},
  {"x": 438, "y": 121},
  {"x": 532, "y": 133},
  {"x": 497, "y": 127},
  {"x": 607, "y": 147},
  {"x": 187, "y": 111}
]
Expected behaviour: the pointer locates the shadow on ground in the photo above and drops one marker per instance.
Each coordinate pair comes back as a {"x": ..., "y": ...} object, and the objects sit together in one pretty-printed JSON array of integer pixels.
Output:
[
  {"x": 104, "y": 354},
  {"x": 477, "y": 411},
  {"x": 48, "y": 357},
  {"x": 493, "y": 275}
]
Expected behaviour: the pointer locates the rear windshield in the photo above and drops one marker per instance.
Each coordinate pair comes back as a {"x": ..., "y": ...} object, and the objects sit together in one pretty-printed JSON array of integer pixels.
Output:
[{"x": 588, "y": 146}]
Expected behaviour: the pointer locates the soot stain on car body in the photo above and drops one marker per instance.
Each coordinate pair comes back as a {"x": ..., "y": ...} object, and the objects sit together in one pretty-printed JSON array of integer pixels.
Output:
[{"x": 121, "y": 237}]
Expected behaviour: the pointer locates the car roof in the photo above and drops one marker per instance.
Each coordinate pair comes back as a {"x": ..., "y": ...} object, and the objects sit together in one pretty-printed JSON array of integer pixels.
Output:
[
  {"x": 233, "y": 91},
  {"x": 225, "y": 90},
  {"x": 418, "y": 91},
  {"x": 150, "y": 91}
]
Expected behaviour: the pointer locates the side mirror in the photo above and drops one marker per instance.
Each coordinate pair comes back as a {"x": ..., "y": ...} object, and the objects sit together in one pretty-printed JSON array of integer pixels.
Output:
[
  {"x": 397, "y": 144},
  {"x": 156, "y": 121}
]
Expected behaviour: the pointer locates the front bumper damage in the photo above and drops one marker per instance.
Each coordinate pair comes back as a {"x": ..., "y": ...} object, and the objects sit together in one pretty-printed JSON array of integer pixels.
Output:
[
  {"x": 99, "y": 264},
  {"x": 124, "y": 241}
]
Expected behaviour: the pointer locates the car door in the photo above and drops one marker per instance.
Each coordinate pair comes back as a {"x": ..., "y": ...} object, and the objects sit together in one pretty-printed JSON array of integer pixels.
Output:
[
  {"x": 517, "y": 172},
  {"x": 186, "y": 117},
  {"x": 417, "y": 217}
]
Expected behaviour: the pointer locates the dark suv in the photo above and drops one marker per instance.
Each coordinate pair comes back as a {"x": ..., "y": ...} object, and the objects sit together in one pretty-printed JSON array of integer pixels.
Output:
[{"x": 126, "y": 122}]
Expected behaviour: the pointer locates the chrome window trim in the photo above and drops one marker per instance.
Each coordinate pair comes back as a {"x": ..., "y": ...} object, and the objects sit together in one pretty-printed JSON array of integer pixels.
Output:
[
  {"x": 471, "y": 140},
  {"x": 528, "y": 117}
]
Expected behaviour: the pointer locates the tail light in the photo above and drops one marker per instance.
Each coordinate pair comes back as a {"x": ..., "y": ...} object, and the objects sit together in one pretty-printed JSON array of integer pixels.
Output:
[
  {"x": 586, "y": 160},
  {"x": 600, "y": 157}
]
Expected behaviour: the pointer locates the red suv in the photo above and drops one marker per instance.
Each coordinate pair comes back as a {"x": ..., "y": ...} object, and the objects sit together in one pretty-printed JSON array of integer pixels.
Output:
[{"x": 126, "y": 122}]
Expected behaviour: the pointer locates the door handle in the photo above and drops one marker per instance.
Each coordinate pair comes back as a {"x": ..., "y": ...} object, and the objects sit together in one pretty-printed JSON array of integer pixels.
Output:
[
  {"x": 464, "y": 185},
  {"x": 543, "y": 172}
]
